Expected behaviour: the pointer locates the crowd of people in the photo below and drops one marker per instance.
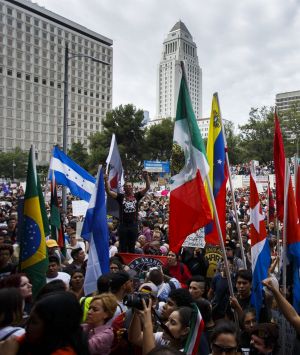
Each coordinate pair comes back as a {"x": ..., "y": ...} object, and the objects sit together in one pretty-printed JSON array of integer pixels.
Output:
[{"x": 153, "y": 311}]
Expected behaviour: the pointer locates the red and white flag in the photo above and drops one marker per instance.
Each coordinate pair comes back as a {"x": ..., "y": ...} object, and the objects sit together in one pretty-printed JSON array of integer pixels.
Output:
[
  {"x": 260, "y": 249},
  {"x": 115, "y": 176}
]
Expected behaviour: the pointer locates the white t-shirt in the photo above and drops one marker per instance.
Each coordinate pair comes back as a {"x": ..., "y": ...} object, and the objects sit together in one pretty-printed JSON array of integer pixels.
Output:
[
  {"x": 159, "y": 340},
  {"x": 69, "y": 249},
  {"x": 60, "y": 276},
  {"x": 4, "y": 332},
  {"x": 112, "y": 250}
]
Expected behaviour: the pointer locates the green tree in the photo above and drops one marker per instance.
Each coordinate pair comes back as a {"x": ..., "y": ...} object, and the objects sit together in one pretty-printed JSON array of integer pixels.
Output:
[
  {"x": 234, "y": 144},
  {"x": 79, "y": 154},
  {"x": 159, "y": 140},
  {"x": 13, "y": 164},
  {"x": 127, "y": 124},
  {"x": 257, "y": 135}
]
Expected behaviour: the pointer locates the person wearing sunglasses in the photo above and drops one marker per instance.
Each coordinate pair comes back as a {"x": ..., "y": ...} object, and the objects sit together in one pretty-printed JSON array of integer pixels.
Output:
[{"x": 224, "y": 339}]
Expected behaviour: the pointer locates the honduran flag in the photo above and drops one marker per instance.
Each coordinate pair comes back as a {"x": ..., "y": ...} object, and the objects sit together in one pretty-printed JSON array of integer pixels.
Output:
[
  {"x": 70, "y": 174},
  {"x": 189, "y": 208},
  {"x": 218, "y": 172},
  {"x": 271, "y": 204},
  {"x": 95, "y": 231},
  {"x": 260, "y": 248}
]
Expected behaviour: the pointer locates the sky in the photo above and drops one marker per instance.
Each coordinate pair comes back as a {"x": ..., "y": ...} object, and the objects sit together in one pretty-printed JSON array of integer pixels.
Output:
[{"x": 248, "y": 49}]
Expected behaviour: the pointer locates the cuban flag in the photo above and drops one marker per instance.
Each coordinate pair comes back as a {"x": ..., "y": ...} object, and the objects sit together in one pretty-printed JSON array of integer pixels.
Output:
[
  {"x": 260, "y": 248},
  {"x": 70, "y": 174},
  {"x": 95, "y": 231}
]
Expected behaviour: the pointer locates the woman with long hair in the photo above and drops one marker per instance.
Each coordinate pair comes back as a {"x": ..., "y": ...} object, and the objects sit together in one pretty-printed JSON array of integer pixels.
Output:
[
  {"x": 53, "y": 328},
  {"x": 182, "y": 330},
  {"x": 21, "y": 282},
  {"x": 11, "y": 313}
]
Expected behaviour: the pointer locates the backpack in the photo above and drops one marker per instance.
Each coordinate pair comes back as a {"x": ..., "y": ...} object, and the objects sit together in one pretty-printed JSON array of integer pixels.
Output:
[{"x": 120, "y": 343}]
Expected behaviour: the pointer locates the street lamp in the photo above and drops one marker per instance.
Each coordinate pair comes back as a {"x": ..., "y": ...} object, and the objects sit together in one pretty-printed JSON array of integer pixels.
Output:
[{"x": 66, "y": 101}]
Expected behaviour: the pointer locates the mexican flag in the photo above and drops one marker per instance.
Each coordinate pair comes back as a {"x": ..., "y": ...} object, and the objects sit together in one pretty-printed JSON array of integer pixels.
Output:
[{"x": 189, "y": 207}]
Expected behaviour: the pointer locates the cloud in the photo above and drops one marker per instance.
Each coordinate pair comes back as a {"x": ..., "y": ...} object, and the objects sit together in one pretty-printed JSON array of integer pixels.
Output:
[{"x": 248, "y": 50}]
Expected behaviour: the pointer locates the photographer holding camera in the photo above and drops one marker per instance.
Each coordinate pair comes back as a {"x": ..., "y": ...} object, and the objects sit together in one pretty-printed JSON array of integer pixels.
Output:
[{"x": 175, "y": 332}]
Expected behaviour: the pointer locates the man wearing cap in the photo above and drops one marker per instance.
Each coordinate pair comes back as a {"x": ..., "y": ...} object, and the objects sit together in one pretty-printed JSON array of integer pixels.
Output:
[
  {"x": 236, "y": 262},
  {"x": 128, "y": 205},
  {"x": 53, "y": 249}
]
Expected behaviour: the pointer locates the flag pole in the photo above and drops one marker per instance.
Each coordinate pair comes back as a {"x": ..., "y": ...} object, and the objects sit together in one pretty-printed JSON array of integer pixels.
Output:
[
  {"x": 268, "y": 202},
  {"x": 296, "y": 173},
  {"x": 217, "y": 224},
  {"x": 285, "y": 212},
  {"x": 216, "y": 218},
  {"x": 232, "y": 190}
]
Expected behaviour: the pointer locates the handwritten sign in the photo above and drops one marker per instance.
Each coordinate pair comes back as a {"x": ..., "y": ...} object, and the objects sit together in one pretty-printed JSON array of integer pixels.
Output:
[{"x": 195, "y": 240}]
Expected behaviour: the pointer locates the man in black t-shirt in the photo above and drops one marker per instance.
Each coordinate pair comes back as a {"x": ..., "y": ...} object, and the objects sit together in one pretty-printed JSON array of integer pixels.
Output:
[{"x": 128, "y": 205}]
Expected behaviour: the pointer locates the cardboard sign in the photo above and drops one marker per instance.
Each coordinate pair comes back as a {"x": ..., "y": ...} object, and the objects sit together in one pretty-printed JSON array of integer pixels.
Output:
[
  {"x": 79, "y": 208},
  {"x": 195, "y": 240}
]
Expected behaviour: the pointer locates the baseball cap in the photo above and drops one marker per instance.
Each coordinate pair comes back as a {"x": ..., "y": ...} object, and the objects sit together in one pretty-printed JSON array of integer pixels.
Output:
[
  {"x": 51, "y": 243},
  {"x": 150, "y": 288}
]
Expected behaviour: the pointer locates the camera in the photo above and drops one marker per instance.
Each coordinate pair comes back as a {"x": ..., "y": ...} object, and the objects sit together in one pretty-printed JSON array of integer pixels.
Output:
[{"x": 135, "y": 300}]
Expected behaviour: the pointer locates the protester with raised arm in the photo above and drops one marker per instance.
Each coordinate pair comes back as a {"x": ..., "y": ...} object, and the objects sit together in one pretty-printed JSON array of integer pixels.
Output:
[{"x": 128, "y": 205}]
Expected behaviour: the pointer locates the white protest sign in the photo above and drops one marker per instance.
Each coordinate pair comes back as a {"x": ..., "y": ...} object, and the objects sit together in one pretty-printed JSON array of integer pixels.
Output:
[
  {"x": 195, "y": 240},
  {"x": 79, "y": 208}
]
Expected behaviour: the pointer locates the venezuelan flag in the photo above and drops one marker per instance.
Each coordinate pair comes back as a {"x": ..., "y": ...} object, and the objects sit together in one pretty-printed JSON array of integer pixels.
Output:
[
  {"x": 218, "y": 172},
  {"x": 33, "y": 251}
]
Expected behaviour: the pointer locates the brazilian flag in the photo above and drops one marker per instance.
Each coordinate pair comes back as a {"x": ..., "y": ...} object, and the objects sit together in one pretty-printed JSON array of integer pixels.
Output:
[{"x": 33, "y": 251}]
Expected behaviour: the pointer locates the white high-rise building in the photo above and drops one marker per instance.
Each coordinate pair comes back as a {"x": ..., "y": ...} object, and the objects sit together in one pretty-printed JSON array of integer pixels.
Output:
[
  {"x": 177, "y": 47},
  {"x": 32, "y": 55},
  {"x": 285, "y": 100}
]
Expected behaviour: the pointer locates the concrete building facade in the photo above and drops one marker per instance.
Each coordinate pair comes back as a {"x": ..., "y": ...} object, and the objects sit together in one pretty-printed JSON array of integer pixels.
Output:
[
  {"x": 32, "y": 43},
  {"x": 178, "y": 46},
  {"x": 285, "y": 100}
]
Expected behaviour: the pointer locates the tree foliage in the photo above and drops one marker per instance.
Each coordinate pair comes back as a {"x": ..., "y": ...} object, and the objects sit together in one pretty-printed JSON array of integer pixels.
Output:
[
  {"x": 257, "y": 135},
  {"x": 235, "y": 152},
  {"x": 79, "y": 154},
  {"x": 127, "y": 124},
  {"x": 159, "y": 140},
  {"x": 13, "y": 164}
]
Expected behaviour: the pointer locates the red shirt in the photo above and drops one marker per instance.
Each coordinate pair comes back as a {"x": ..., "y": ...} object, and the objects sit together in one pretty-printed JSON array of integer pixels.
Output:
[{"x": 181, "y": 272}]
